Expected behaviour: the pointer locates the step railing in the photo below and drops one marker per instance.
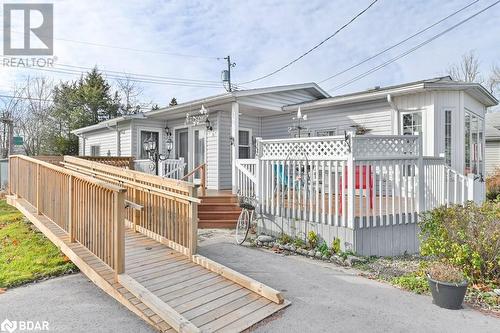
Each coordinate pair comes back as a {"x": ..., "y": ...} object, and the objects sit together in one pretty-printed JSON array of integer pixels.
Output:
[
  {"x": 202, "y": 171},
  {"x": 90, "y": 211},
  {"x": 172, "y": 168},
  {"x": 246, "y": 177},
  {"x": 164, "y": 209}
]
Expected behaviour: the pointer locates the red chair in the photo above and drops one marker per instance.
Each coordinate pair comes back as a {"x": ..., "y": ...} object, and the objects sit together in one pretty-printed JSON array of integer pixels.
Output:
[{"x": 359, "y": 184}]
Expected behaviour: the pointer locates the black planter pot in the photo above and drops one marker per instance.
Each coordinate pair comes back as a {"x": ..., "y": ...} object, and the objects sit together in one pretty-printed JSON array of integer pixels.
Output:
[{"x": 447, "y": 295}]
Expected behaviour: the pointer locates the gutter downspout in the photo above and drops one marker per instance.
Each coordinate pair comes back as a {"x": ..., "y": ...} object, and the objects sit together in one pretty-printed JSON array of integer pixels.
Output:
[
  {"x": 83, "y": 143},
  {"x": 396, "y": 110},
  {"x": 118, "y": 141}
]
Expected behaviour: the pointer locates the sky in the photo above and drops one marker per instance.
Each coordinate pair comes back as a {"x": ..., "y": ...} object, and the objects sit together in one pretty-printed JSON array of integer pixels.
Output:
[{"x": 189, "y": 39}]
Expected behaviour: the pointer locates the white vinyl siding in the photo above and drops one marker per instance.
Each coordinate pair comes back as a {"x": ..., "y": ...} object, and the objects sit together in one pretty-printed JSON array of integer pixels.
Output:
[
  {"x": 492, "y": 156},
  {"x": 375, "y": 116},
  {"x": 104, "y": 138}
]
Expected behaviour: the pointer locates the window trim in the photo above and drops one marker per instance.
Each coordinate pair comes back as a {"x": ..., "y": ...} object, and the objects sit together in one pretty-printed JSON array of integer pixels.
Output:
[
  {"x": 401, "y": 116},
  {"x": 250, "y": 141},
  {"x": 139, "y": 142}
]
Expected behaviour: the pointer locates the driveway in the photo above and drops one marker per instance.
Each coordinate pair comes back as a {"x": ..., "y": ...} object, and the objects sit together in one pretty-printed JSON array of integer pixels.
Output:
[
  {"x": 327, "y": 298},
  {"x": 70, "y": 304}
]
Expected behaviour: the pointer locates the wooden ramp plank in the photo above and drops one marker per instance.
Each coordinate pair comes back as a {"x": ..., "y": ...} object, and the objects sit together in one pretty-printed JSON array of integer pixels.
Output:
[{"x": 88, "y": 263}]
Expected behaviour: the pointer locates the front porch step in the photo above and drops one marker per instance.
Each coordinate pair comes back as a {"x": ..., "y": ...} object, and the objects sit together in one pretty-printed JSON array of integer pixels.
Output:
[
  {"x": 220, "y": 210},
  {"x": 217, "y": 224}
]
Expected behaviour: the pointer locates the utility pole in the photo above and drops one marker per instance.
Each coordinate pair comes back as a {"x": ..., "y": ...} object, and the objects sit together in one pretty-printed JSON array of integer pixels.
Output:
[{"x": 226, "y": 77}]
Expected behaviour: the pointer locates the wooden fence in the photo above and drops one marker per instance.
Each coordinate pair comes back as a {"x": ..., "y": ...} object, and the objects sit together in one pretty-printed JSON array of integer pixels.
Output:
[
  {"x": 164, "y": 209},
  {"x": 89, "y": 210}
]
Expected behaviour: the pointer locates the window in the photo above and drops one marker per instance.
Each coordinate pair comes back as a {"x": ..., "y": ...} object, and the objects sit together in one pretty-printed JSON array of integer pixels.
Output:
[
  {"x": 467, "y": 169},
  {"x": 95, "y": 150},
  {"x": 447, "y": 136},
  {"x": 145, "y": 135},
  {"x": 411, "y": 123},
  {"x": 473, "y": 141},
  {"x": 326, "y": 132},
  {"x": 244, "y": 144}
]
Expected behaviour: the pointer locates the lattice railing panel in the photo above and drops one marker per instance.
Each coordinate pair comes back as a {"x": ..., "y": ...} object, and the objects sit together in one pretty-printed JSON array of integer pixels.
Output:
[
  {"x": 396, "y": 146},
  {"x": 304, "y": 149}
]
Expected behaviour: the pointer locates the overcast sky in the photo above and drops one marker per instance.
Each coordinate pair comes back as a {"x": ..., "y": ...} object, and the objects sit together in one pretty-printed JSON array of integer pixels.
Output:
[{"x": 261, "y": 36}]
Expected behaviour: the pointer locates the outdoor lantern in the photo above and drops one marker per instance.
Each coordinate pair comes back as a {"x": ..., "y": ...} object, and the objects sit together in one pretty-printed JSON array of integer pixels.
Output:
[
  {"x": 169, "y": 145},
  {"x": 149, "y": 144},
  {"x": 208, "y": 125}
]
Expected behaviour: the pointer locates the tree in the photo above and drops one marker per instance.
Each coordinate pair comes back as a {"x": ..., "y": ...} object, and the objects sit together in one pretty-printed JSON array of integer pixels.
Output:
[
  {"x": 79, "y": 104},
  {"x": 129, "y": 92},
  {"x": 10, "y": 111},
  {"x": 467, "y": 70},
  {"x": 173, "y": 102},
  {"x": 34, "y": 123},
  {"x": 494, "y": 80}
]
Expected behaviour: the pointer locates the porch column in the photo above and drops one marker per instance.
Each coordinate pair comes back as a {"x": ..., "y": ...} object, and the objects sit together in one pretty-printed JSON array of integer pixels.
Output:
[{"x": 235, "y": 125}]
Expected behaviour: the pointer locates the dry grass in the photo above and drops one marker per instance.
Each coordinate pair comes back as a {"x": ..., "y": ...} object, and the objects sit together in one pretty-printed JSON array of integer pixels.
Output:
[{"x": 445, "y": 273}]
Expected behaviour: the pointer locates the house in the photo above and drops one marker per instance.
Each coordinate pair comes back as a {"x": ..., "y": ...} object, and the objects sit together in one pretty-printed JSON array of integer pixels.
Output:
[
  {"x": 424, "y": 147},
  {"x": 450, "y": 115},
  {"x": 492, "y": 148}
]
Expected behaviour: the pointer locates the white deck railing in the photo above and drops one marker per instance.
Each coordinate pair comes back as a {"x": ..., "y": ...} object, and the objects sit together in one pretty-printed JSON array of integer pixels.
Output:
[
  {"x": 172, "y": 168},
  {"x": 354, "y": 182}
]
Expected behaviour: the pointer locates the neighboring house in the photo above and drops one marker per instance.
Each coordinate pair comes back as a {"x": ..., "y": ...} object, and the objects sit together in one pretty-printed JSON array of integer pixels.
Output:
[
  {"x": 492, "y": 151},
  {"x": 449, "y": 114}
]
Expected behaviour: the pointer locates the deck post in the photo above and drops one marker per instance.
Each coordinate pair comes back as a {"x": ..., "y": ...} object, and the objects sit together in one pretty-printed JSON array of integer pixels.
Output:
[
  {"x": 71, "y": 226},
  {"x": 136, "y": 213},
  {"x": 351, "y": 174},
  {"x": 257, "y": 170},
  {"x": 193, "y": 222},
  {"x": 421, "y": 176},
  {"x": 38, "y": 196},
  {"x": 118, "y": 233},
  {"x": 203, "y": 179},
  {"x": 235, "y": 125}
]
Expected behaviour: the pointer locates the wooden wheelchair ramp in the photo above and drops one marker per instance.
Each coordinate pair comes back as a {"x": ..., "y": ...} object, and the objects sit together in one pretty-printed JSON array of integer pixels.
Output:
[
  {"x": 135, "y": 237},
  {"x": 198, "y": 293},
  {"x": 169, "y": 290}
]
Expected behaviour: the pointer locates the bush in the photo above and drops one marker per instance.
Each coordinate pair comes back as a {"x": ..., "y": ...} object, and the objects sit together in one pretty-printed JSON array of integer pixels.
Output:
[
  {"x": 312, "y": 239},
  {"x": 336, "y": 245},
  {"x": 493, "y": 186},
  {"x": 414, "y": 282},
  {"x": 467, "y": 237}
]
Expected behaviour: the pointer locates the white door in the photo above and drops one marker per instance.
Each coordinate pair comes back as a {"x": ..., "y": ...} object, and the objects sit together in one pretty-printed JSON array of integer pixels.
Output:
[{"x": 198, "y": 150}]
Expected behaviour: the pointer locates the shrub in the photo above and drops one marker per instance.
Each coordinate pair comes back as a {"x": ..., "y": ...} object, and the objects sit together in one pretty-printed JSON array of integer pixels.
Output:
[
  {"x": 493, "y": 186},
  {"x": 413, "y": 282},
  {"x": 299, "y": 243},
  {"x": 445, "y": 272},
  {"x": 284, "y": 239},
  {"x": 323, "y": 248},
  {"x": 466, "y": 236},
  {"x": 336, "y": 245},
  {"x": 312, "y": 239}
]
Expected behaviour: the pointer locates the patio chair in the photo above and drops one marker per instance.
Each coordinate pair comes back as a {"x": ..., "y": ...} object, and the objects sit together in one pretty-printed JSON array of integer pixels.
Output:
[{"x": 359, "y": 185}]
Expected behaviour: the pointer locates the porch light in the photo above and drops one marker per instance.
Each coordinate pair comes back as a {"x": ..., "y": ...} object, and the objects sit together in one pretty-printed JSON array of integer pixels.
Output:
[
  {"x": 198, "y": 118},
  {"x": 149, "y": 144},
  {"x": 169, "y": 142}
]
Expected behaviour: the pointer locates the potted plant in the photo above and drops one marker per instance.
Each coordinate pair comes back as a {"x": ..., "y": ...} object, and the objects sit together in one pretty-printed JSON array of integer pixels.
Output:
[{"x": 448, "y": 285}]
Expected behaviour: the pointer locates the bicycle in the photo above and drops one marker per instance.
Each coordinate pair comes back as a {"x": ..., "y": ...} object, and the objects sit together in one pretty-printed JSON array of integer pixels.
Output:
[{"x": 246, "y": 218}]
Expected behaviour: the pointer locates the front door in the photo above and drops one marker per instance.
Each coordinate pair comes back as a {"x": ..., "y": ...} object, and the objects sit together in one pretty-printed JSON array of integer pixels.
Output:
[
  {"x": 198, "y": 150},
  {"x": 182, "y": 146}
]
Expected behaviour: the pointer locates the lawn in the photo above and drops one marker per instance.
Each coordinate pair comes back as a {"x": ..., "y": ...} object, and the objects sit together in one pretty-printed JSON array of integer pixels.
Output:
[{"x": 26, "y": 255}]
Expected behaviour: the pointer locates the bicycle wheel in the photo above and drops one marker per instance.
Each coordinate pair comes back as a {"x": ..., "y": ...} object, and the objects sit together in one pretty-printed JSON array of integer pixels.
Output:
[{"x": 242, "y": 227}]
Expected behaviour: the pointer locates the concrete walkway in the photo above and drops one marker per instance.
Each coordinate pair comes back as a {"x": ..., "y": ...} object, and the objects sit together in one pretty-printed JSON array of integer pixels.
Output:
[
  {"x": 327, "y": 298},
  {"x": 70, "y": 304}
]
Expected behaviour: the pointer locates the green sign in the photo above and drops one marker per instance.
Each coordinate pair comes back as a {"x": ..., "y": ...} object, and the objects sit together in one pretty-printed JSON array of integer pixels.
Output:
[{"x": 18, "y": 140}]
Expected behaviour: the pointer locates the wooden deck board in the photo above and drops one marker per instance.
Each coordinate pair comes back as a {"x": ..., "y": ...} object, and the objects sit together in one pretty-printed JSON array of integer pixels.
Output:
[{"x": 211, "y": 300}]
